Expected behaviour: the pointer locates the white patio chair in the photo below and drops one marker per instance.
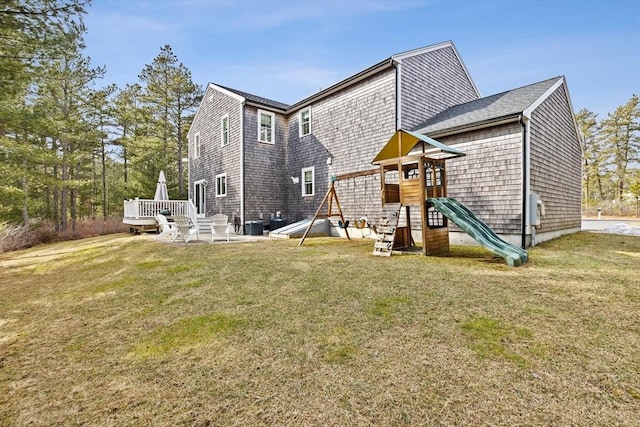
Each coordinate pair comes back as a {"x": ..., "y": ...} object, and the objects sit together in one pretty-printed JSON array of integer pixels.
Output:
[
  {"x": 220, "y": 226},
  {"x": 166, "y": 229},
  {"x": 185, "y": 229}
]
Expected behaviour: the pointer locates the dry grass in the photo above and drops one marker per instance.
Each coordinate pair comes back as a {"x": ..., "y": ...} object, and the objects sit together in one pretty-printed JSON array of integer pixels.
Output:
[
  {"x": 122, "y": 330},
  {"x": 15, "y": 237}
]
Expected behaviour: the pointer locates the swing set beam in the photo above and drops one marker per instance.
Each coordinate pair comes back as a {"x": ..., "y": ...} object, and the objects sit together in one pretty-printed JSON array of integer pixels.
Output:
[{"x": 357, "y": 174}]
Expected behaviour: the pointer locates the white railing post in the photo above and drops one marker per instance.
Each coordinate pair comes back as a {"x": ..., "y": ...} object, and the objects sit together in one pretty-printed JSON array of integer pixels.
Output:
[{"x": 192, "y": 212}]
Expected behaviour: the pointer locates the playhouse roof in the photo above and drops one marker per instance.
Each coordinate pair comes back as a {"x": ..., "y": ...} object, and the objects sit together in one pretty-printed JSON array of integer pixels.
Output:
[{"x": 403, "y": 141}]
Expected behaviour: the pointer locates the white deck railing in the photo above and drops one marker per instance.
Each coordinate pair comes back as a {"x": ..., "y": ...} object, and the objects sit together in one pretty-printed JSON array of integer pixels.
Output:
[{"x": 147, "y": 208}]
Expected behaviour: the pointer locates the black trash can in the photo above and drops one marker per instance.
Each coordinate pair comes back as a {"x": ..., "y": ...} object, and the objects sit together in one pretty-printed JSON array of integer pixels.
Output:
[
  {"x": 253, "y": 228},
  {"x": 276, "y": 223}
]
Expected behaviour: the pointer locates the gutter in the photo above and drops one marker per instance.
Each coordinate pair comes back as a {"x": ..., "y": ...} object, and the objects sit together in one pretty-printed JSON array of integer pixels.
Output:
[
  {"x": 474, "y": 126},
  {"x": 266, "y": 107}
]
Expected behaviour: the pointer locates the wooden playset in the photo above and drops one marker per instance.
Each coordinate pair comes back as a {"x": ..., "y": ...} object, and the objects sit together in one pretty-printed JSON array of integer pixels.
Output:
[{"x": 412, "y": 170}]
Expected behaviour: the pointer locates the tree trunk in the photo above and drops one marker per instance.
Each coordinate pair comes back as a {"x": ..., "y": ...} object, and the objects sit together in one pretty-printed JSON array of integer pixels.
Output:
[
  {"x": 64, "y": 191},
  {"x": 25, "y": 198},
  {"x": 105, "y": 209}
]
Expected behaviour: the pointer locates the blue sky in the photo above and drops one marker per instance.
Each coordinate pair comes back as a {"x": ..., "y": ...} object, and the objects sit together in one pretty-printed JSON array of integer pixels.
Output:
[{"x": 289, "y": 49}]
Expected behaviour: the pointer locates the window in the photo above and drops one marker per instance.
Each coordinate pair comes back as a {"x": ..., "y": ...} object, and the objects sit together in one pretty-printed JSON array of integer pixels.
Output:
[
  {"x": 196, "y": 146},
  {"x": 221, "y": 185},
  {"x": 304, "y": 121},
  {"x": 266, "y": 124},
  {"x": 308, "y": 183},
  {"x": 224, "y": 130}
]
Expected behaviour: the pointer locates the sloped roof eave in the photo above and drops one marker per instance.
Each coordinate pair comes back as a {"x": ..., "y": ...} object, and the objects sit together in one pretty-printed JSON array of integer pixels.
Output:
[{"x": 467, "y": 127}]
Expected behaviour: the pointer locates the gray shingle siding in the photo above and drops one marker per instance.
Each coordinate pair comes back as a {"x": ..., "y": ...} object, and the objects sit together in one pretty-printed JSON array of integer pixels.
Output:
[
  {"x": 430, "y": 83},
  {"x": 350, "y": 127},
  {"x": 556, "y": 162},
  {"x": 488, "y": 180},
  {"x": 265, "y": 174},
  {"x": 214, "y": 158}
]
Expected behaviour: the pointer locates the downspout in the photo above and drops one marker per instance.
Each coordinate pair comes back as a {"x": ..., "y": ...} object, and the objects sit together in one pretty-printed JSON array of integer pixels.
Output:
[
  {"x": 242, "y": 105},
  {"x": 524, "y": 122}
]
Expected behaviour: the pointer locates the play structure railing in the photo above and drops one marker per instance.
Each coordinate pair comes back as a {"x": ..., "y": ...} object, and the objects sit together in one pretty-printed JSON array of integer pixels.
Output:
[{"x": 148, "y": 208}]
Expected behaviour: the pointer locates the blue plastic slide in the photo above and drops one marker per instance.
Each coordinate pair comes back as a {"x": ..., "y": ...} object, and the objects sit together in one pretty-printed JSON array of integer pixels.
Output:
[{"x": 474, "y": 227}]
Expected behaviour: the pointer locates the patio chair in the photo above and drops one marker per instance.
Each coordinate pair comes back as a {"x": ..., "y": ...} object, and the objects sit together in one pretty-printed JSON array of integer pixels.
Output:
[
  {"x": 220, "y": 226},
  {"x": 185, "y": 229},
  {"x": 166, "y": 229}
]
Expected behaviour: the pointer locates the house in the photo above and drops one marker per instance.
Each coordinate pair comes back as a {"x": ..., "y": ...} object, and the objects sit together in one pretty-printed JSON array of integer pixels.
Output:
[{"x": 254, "y": 158}]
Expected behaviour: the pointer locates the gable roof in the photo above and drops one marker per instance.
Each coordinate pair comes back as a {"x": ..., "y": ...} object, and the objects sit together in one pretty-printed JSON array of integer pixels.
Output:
[
  {"x": 367, "y": 72},
  {"x": 377, "y": 68},
  {"x": 258, "y": 100},
  {"x": 490, "y": 109}
]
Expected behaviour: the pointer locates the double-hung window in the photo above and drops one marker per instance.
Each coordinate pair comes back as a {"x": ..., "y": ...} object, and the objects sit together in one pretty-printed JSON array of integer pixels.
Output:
[
  {"x": 224, "y": 130},
  {"x": 308, "y": 181},
  {"x": 304, "y": 121},
  {"x": 221, "y": 185},
  {"x": 266, "y": 126},
  {"x": 197, "y": 148}
]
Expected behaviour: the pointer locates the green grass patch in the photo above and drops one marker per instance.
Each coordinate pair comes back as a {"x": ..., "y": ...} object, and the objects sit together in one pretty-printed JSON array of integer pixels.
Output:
[
  {"x": 391, "y": 307},
  {"x": 187, "y": 333},
  {"x": 491, "y": 338},
  {"x": 337, "y": 346}
]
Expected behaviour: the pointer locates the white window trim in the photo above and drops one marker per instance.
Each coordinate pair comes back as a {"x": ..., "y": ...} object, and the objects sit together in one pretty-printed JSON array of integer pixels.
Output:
[
  {"x": 273, "y": 126},
  {"x": 197, "y": 146},
  {"x": 218, "y": 194},
  {"x": 300, "y": 122},
  {"x": 226, "y": 116},
  {"x": 203, "y": 208},
  {"x": 313, "y": 182}
]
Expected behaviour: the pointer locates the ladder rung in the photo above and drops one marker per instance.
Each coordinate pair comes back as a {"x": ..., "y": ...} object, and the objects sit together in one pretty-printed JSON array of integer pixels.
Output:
[{"x": 383, "y": 245}]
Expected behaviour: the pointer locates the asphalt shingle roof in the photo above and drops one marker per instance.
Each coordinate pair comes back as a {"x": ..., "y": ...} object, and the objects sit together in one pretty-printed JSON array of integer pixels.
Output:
[
  {"x": 257, "y": 99},
  {"x": 492, "y": 107}
]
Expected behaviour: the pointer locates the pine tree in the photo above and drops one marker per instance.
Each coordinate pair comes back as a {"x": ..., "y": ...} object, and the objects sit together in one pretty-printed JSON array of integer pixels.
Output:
[
  {"x": 171, "y": 95},
  {"x": 593, "y": 159},
  {"x": 621, "y": 132}
]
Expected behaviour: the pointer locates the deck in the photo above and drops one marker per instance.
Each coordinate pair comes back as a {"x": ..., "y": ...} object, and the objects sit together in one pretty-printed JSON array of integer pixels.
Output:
[{"x": 139, "y": 214}]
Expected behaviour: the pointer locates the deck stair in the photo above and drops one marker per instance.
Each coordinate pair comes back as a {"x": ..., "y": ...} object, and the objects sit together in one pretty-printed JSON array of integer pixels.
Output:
[
  {"x": 387, "y": 234},
  {"x": 205, "y": 225}
]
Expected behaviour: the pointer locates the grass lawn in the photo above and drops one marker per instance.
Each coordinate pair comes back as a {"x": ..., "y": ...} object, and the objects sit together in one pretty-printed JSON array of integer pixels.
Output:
[{"x": 123, "y": 330}]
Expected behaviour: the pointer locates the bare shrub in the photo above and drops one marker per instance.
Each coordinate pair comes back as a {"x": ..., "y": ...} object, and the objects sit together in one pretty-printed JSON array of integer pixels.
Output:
[{"x": 14, "y": 237}]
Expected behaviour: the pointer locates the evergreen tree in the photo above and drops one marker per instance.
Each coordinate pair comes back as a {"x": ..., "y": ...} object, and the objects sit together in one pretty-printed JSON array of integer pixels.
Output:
[
  {"x": 593, "y": 160},
  {"x": 171, "y": 95},
  {"x": 620, "y": 131}
]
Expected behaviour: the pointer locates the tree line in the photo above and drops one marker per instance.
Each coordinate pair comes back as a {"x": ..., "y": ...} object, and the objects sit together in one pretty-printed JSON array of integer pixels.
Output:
[
  {"x": 70, "y": 149},
  {"x": 611, "y": 159}
]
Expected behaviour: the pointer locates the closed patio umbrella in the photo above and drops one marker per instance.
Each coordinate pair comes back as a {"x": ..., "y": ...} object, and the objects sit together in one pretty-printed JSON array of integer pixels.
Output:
[{"x": 161, "y": 188}]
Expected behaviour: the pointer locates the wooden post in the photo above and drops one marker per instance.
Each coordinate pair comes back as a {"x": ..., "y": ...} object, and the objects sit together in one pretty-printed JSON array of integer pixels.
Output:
[
  {"x": 423, "y": 205},
  {"x": 331, "y": 194}
]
